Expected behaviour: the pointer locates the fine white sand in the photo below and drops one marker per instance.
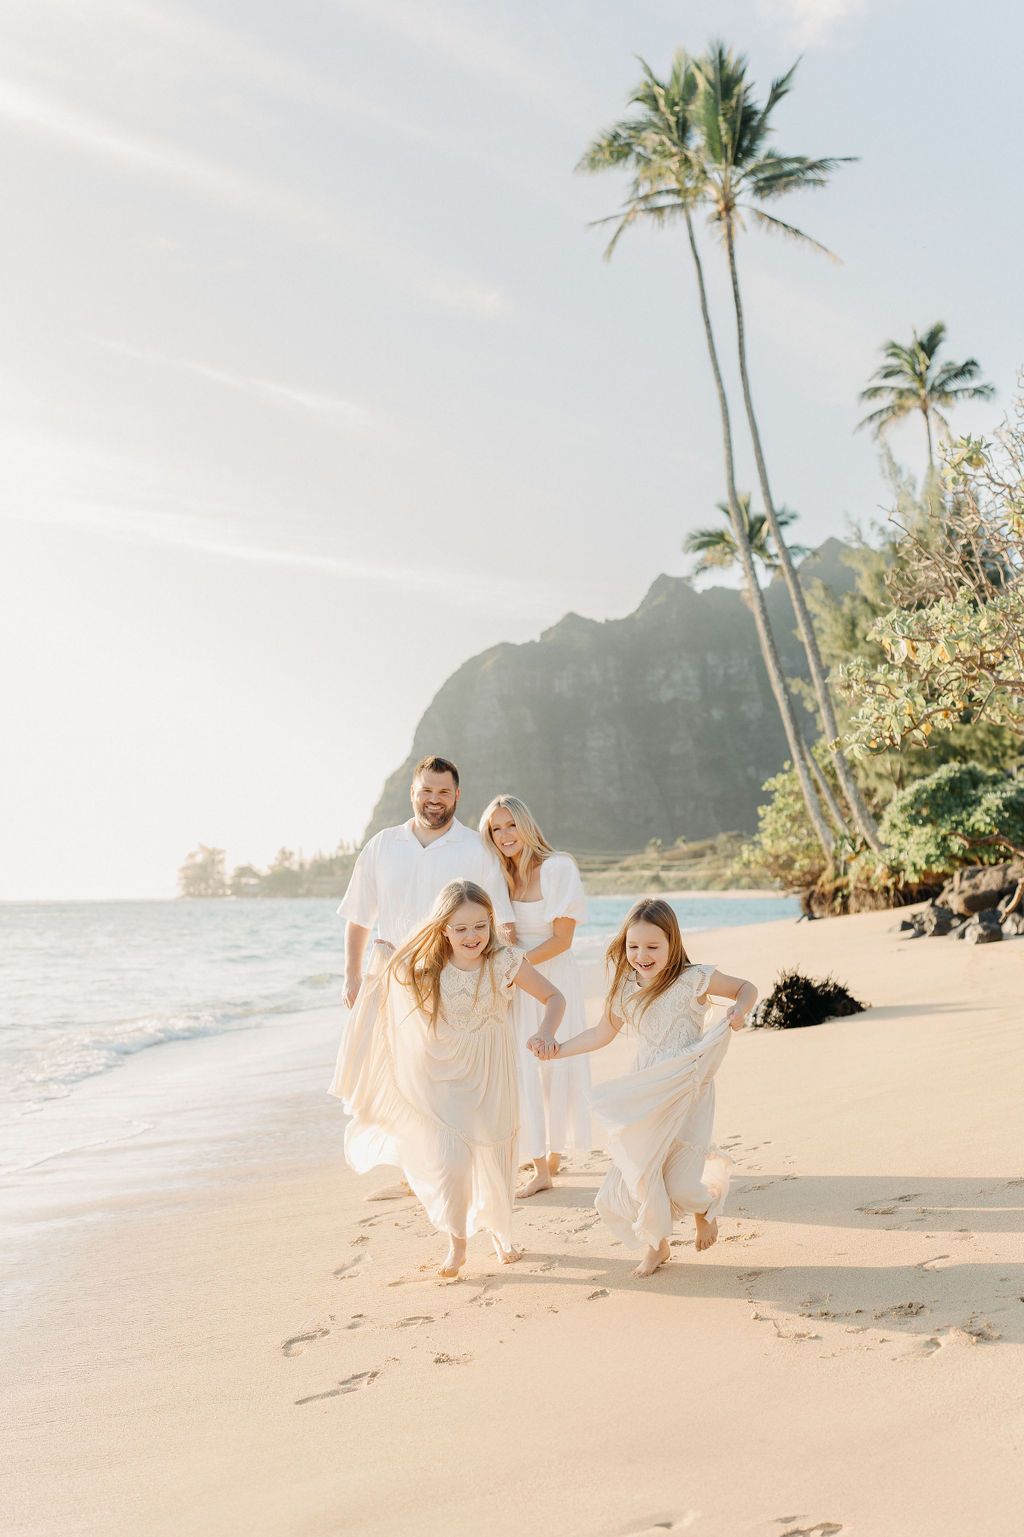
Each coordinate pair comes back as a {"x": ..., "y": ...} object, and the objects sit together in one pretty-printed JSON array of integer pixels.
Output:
[{"x": 266, "y": 1353}]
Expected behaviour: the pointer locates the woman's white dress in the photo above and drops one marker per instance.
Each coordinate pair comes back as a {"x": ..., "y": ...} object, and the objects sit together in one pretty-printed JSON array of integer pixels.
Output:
[
  {"x": 554, "y": 1114},
  {"x": 660, "y": 1117},
  {"x": 441, "y": 1106}
]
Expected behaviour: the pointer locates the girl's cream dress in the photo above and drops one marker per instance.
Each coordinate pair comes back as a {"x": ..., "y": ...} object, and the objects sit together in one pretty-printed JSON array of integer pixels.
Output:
[
  {"x": 441, "y": 1105},
  {"x": 660, "y": 1116}
]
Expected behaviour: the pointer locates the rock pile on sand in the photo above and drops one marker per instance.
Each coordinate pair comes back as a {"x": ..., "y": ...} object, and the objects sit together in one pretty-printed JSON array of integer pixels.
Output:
[{"x": 980, "y": 904}]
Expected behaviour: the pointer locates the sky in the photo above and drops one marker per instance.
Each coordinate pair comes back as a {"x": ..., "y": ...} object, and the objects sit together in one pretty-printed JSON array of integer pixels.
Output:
[{"x": 313, "y": 382}]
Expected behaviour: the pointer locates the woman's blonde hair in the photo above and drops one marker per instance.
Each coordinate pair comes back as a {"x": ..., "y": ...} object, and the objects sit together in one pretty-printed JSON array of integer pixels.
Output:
[
  {"x": 535, "y": 846},
  {"x": 418, "y": 963},
  {"x": 647, "y": 910}
]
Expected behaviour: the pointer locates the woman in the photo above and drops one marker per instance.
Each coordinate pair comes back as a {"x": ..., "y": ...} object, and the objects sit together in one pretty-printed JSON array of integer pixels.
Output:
[{"x": 548, "y": 901}]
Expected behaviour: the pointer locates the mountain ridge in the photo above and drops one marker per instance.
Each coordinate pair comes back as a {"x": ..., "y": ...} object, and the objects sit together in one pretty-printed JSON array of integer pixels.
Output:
[{"x": 660, "y": 724}]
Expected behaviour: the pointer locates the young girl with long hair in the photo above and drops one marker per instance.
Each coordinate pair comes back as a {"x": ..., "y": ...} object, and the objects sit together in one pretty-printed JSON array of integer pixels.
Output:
[
  {"x": 660, "y": 1117},
  {"x": 548, "y": 902},
  {"x": 430, "y": 1080}
]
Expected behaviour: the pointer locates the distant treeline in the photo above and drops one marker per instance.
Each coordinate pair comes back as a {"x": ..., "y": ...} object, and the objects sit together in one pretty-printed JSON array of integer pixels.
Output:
[
  {"x": 204, "y": 874},
  {"x": 710, "y": 865}
]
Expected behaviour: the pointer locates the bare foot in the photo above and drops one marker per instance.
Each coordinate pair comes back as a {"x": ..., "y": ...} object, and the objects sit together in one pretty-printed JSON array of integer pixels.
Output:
[
  {"x": 454, "y": 1259},
  {"x": 653, "y": 1258},
  {"x": 707, "y": 1232},
  {"x": 389, "y": 1192},
  {"x": 539, "y": 1182},
  {"x": 554, "y": 1162},
  {"x": 507, "y": 1256}
]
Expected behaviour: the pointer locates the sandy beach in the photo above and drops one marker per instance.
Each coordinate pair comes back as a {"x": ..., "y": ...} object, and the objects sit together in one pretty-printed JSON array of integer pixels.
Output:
[{"x": 261, "y": 1350}]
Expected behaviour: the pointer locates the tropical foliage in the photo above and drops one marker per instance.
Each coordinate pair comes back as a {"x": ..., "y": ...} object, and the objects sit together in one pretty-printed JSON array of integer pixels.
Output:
[
  {"x": 960, "y": 814},
  {"x": 785, "y": 850},
  {"x": 953, "y": 640},
  {"x": 912, "y": 379}
]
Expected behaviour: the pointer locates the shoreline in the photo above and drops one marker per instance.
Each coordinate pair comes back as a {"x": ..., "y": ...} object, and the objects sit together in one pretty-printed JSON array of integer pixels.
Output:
[{"x": 259, "y": 1342}]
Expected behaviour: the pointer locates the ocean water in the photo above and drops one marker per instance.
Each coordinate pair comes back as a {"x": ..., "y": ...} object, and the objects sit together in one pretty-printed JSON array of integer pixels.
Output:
[{"x": 88, "y": 988}]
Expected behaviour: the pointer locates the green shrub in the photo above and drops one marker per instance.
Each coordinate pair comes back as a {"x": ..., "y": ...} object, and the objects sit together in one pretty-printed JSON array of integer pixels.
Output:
[{"x": 928, "y": 827}]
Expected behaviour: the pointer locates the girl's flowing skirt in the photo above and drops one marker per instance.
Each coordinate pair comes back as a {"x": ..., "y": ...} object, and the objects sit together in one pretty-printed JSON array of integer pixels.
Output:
[
  {"x": 441, "y": 1107},
  {"x": 660, "y": 1122}
]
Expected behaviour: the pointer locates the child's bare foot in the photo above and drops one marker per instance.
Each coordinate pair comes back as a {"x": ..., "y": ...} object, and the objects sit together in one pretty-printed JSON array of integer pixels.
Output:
[
  {"x": 540, "y": 1181},
  {"x": 554, "y": 1162},
  {"x": 653, "y": 1258},
  {"x": 507, "y": 1256},
  {"x": 707, "y": 1232},
  {"x": 454, "y": 1259}
]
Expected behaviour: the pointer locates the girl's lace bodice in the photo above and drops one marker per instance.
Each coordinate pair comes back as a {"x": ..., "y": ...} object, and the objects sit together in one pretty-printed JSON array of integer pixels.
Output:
[
  {"x": 670, "y": 1023},
  {"x": 478, "y": 1000}
]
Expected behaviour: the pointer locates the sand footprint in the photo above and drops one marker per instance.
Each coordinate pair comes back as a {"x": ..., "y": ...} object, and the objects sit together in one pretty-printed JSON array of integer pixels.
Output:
[
  {"x": 413, "y": 1320},
  {"x": 349, "y": 1269},
  {"x": 901, "y": 1310},
  {"x": 680, "y": 1524},
  {"x": 444, "y": 1359},
  {"x": 291, "y": 1347},
  {"x": 347, "y": 1385}
]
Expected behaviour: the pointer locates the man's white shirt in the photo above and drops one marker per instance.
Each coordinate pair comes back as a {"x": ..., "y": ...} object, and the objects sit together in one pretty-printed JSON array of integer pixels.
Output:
[{"x": 397, "y": 879}]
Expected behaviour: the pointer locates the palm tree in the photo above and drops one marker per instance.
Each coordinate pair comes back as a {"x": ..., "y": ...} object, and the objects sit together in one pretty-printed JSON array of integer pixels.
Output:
[
  {"x": 738, "y": 173},
  {"x": 717, "y": 546},
  {"x": 718, "y": 551},
  {"x": 657, "y": 144},
  {"x": 910, "y": 379}
]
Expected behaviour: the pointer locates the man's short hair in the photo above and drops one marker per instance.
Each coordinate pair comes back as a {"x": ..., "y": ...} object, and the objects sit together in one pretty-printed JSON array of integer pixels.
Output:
[{"x": 435, "y": 765}]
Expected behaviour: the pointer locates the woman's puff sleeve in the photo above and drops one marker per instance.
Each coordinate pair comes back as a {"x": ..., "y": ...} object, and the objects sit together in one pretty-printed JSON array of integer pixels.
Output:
[{"x": 562, "y": 889}]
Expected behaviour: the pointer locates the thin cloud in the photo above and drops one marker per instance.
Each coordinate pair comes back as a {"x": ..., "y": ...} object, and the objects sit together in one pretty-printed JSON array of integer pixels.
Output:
[
  {"x": 812, "y": 21},
  {"x": 331, "y": 407},
  {"x": 479, "y": 298},
  {"x": 90, "y": 134},
  {"x": 454, "y": 34}
]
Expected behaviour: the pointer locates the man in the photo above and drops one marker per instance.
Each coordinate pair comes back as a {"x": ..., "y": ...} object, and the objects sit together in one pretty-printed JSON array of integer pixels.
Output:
[{"x": 400, "y": 872}]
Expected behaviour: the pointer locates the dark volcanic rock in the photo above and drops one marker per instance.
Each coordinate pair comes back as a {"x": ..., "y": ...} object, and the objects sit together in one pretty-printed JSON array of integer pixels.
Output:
[
  {"x": 936, "y": 920},
  {"x": 983, "y": 928},
  {"x": 978, "y": 887},
  {"x": 659, "y": 725}
]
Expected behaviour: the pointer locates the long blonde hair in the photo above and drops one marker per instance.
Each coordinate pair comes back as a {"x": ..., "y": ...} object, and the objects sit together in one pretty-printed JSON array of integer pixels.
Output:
[
  {"x": 647, "y": 910},
  {"x": 418, "y": 963},
  {"x": 535, "y": 846}
]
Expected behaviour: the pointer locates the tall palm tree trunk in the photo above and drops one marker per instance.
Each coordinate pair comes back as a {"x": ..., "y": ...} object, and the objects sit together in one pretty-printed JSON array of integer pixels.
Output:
[
  {"x": 829, "y": 801},
  {"x": 928, "y": 430},
  {"x": 769, "y": 651},
  {"x": 851, "y": 790}
]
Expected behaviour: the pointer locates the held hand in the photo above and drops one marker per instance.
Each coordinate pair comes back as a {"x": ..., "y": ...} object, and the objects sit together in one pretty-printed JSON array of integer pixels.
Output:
[{"x": 542, "y": 1047}]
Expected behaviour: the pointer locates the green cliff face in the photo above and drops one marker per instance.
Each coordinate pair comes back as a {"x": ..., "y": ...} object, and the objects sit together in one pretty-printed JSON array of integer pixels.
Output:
[{"x": 659, "y": 725}]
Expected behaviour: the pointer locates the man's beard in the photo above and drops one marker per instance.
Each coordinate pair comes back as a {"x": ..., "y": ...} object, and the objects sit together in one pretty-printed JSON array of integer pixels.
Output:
[{"x": 435, "y": 819}]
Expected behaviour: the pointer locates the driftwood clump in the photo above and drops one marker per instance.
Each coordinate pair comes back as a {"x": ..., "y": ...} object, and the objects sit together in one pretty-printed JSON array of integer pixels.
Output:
[{"x": 796, "y": 1001}]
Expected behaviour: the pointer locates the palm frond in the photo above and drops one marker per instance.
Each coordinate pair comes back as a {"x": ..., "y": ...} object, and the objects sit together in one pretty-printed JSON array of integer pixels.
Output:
[{"x": 779, "y": 227}]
